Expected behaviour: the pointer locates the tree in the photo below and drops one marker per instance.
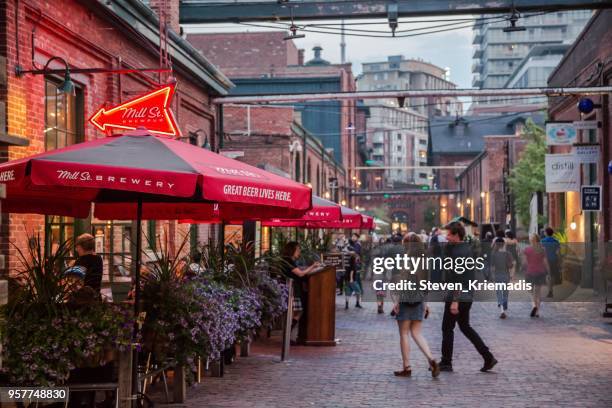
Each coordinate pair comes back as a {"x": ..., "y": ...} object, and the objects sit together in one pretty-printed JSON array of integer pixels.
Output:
[{"x": 527, "y": 176}]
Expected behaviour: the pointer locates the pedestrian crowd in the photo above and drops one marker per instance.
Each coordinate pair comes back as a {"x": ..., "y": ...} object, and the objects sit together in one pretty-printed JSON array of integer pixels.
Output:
[{"x": 505, "y": 258}]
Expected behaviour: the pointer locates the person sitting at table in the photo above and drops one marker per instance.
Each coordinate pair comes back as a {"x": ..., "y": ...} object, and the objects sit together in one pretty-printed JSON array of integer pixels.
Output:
[
  {"x": 291, "y": 253},
  {"x": 85, "y": 246}
]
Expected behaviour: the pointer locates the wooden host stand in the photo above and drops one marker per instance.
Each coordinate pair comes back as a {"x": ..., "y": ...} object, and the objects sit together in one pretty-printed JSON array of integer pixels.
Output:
[{"x": 321, "y": 308}]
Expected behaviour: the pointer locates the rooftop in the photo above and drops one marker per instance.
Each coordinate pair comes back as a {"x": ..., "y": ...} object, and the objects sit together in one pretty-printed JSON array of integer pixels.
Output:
[{"x": 465, "y": 135}]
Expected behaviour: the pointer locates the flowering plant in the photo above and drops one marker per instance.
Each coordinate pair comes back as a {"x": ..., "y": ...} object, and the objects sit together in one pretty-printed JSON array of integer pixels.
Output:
[
  {"x": 273, "y": 296},
  {"x": 246, "y": 304},
  {"x": 41, "y": 350},
  {"x": 46, "y": 328}
]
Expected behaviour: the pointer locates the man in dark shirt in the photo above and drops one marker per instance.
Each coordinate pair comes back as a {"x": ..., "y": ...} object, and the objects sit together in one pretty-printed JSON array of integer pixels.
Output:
[
  {"x": 458, "y": 304},
  {"x": 87, "y": 259}
]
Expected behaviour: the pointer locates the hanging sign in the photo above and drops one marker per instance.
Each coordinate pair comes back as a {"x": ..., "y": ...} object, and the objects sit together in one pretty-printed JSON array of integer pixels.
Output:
[
  {"x": 562, "y": 173},
  {"x": 586, "y": 124},
  {"x": 587, "y": 154},
  {"x": 151, "y": 111},
  {"x": 560, "y": 133},
  {"x": 590, "y": 198}
]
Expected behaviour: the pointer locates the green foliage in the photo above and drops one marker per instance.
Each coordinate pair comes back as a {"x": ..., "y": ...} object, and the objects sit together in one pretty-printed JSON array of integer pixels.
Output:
[
  {"x": 527, "y": 176},
  {"x": 45, "y": 331},
  {"x": 39, "y": 282}
]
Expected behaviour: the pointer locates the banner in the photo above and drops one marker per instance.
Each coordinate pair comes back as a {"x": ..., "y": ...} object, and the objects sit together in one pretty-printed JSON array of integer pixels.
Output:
[
  {"x": 560, "y": 133},
  {"x": 562, "y": 173}
]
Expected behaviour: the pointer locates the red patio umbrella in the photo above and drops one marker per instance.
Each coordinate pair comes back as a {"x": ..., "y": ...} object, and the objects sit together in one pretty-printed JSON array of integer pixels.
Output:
[
  {"x": 349, "y": 219},
  {"x": 138, "y": 173},
  {"x": 322, "y": 211}
]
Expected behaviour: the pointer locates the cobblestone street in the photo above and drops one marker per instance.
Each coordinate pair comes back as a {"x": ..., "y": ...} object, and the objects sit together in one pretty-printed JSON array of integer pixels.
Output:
[{"x": 562, "y": 359}]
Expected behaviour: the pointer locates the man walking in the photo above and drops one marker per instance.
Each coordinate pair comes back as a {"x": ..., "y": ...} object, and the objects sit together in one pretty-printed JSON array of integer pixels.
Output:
[
  {"x": 553, "y": 254},
  {"x": 458, "y": 304}
]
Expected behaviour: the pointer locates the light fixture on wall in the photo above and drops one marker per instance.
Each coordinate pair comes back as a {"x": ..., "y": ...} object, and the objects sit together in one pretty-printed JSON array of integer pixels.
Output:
[
  {"x": 482, "y": 194},
  {"x": 66, "y": 87},
  {"x": 573, "y": 224}
]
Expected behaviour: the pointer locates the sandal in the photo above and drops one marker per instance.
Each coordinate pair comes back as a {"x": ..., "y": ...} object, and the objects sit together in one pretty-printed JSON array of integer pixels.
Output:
[
  {"x": 406, "y": 372},
  {"x": 434, "y": 367}
]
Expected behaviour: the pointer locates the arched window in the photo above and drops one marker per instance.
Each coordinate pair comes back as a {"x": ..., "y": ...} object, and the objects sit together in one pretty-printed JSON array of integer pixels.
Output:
[
  {"x": 318, "y": 185},
  {"x": 308, "y": 171}
]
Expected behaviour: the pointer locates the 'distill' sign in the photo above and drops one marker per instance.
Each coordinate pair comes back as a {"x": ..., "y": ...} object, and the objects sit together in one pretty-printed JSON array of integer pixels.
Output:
[{"x": 151, "y": 110}]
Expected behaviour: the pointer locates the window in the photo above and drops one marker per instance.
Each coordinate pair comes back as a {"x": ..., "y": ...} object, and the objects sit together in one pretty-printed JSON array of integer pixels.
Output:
[
  {"x": 63, "y": 127},
  {"x": 399, "y": 148},
  {"x": 423, "y": 142},
  {"x": 63, "y": 116},
  {"x": 399, "y": 136}
]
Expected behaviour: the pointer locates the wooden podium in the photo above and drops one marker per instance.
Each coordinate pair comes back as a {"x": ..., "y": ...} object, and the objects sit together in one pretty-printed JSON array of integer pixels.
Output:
[{"x": 321, "y": 308}]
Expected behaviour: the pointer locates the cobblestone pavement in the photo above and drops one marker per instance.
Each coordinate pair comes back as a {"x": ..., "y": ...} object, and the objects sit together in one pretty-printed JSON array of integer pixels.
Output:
[{"x": 563, "y": 358}]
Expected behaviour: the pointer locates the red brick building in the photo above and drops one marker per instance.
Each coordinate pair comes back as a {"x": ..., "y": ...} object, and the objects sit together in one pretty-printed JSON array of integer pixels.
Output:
[
  {"x": 122, "y": 34},
  {"x": 587, "y": 63},
  {"x": 272, "y": 137},
  {"x": 265, "y": 63},
  {"x": 485, "y": 196},
  {"x": 481, "y": 147}
]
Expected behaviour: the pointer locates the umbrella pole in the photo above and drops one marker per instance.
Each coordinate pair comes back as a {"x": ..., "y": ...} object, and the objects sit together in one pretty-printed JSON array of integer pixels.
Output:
[{"x": 135, "y": 387}]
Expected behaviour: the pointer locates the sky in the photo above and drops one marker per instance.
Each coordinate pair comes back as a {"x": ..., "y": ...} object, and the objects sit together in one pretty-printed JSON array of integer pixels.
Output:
[{"x": 450, "y": 49}]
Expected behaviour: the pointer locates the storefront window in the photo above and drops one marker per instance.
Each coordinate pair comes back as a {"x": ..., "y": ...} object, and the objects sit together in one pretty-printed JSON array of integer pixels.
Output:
[{"x": 63, "y": 127}]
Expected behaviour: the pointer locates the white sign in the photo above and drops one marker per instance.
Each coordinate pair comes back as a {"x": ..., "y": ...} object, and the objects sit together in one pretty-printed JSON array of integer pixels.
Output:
[
  {"x": 586, "y": 124},
  {"x": 562, "y": 173},
  {"x": 587, "y": 154},
  {"x": 560, "y": 133}
]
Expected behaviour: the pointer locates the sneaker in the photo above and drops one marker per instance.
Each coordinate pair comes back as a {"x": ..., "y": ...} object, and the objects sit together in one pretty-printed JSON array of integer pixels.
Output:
[
  {"x": 503, "y": 315},
  {"x": 488, "y": 365},
  {"x": 534, "y": 311},
  {"x": 445, "y": 367},
  {"x": 380, "y": 310},
  {"x": 358, "y": 306}
]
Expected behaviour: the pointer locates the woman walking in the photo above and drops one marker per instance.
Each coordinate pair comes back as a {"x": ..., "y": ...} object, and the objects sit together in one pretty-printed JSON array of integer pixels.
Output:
[
  {"x": 536, "y": 271},
  {"x": 410, "y": 309},
  {"x": 501, "y": 266}
]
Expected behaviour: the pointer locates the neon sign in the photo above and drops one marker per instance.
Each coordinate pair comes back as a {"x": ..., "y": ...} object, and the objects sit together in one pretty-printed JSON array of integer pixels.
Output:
[{"x": 150, "y": 110}]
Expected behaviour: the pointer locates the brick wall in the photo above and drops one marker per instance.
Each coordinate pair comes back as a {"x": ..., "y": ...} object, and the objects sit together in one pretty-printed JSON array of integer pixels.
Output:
[
  {"x": 272, "y": 132},
  {"x": 247, "y": 54},
  {"x": 85, "y": 40}
]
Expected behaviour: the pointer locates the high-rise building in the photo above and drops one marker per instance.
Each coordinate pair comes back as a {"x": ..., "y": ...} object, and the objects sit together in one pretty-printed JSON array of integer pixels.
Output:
[
  {"x": 498, "y": 53},
  {"x": 396, "y": 134},
  {"x": 400, "y": 73}
]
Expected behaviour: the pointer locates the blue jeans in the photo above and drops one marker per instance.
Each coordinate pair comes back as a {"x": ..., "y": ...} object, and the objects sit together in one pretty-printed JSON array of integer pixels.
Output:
[{"x": 502, "y": 295}]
